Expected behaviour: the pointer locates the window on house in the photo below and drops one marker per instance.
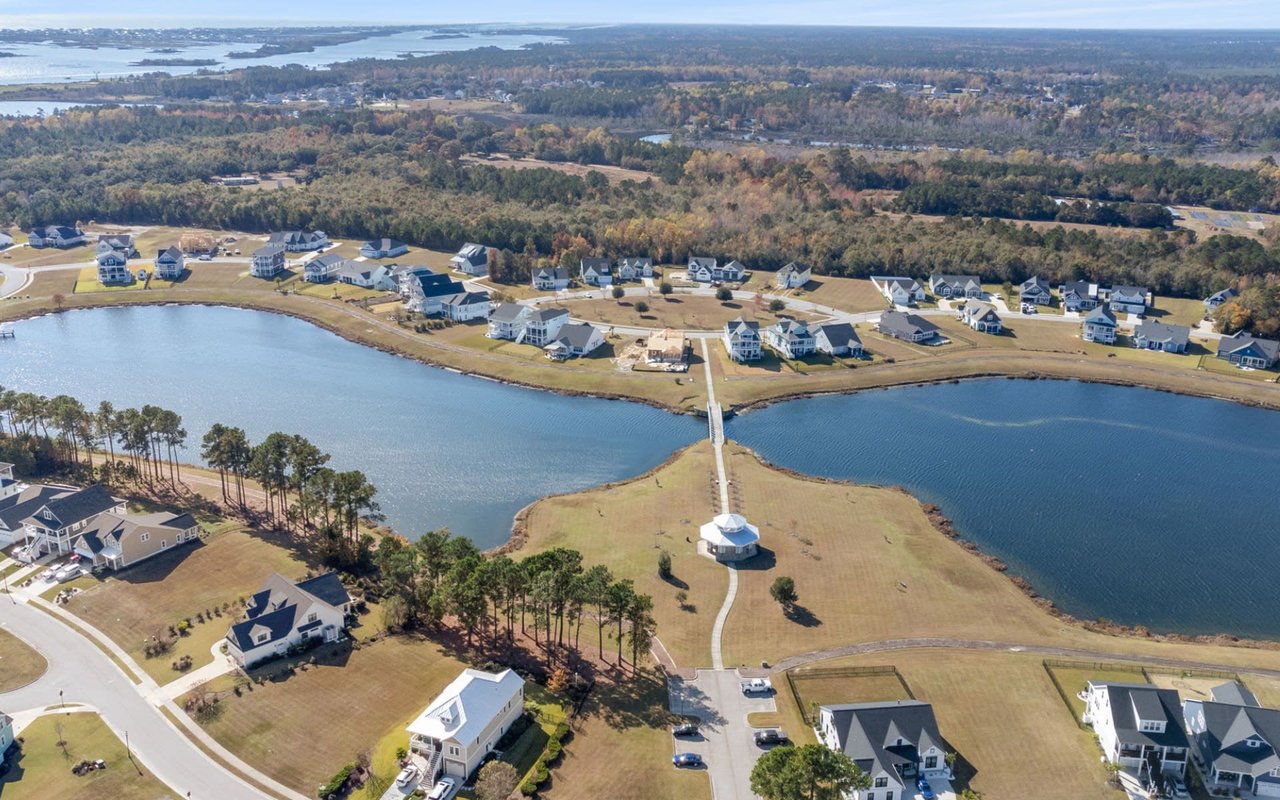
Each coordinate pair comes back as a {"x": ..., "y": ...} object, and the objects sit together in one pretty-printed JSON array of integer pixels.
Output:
[
  {"x": 1254, "y": 743},
  {"x": 262, "y": 638},
  {"x": 888, "y": 796},
  {"x": 453, "y": 750},
  {"x": 144, "y": 537},
  {"x": 164, "y": 543},
  {"x": 931, "y": 762},
  {"x": 312, "y": 617},
  {"x": 882, "y": 782}
]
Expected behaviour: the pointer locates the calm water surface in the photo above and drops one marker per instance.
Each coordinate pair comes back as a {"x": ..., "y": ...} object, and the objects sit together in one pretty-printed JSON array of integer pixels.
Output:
[
  {"x": 49, "y": 63},
  {"x": 442, "y": 448},
  {"x": 1135, "y": 505}
]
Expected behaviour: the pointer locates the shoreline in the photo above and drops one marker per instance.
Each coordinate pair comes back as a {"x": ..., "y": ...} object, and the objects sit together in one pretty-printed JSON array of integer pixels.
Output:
[
  {"x": 379, "y": 344},
  {"x": 943, "y": 525}
]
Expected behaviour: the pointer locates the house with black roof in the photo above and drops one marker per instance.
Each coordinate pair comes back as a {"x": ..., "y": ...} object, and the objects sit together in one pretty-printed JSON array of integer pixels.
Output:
[
  {"x": 596, "y": 271},
  {"x": 837, "y": 339},
  {"x": 1139, "y": 727},
  {"x": 892, "y": 742},
  {"x": 1036, "y": 291},
  {"x": 53, "y": 526},
  {"x": 1079, "y": 295},
  {"x": 299, "y": 241},
  {"x": 955, "y": 285},
  {"x": 59, "y": 236},
  {"x": 742, "y": 339},
  {"x": 472, "y": 259},
  {"x": 1218, "y": 299},
  {"x": 284, "y": 615},
  {"x": 170, "y": 263},
  {"x": 1235, "y": 741},
  {"x": 550, "y": 279},
  {"x": 383, "y": 248}
]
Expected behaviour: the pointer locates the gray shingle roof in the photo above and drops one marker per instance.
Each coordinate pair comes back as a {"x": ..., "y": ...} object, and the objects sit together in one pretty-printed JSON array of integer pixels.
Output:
[
  {"x": 1160, "y": 332},
  {"x": 548, "y": 314},
  {"x": 275, "y": 607},
  {"x": 1267, "y": 348},
  {"x": 909, "y": 325},
  {"x": 1228, "y": 731},
  {"x": 840, "y": 334},
  {"x": 868, "y": 732},
  {"x": 1101, "y": 316},
  {"x": 576, "y": 335},
  {"x": 78, "y": 506},
  {"x": 1130, "y": 702},
  {"x": 507, "y": 312}
]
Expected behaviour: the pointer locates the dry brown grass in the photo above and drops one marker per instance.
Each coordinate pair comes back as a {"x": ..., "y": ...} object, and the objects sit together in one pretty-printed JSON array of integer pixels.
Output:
[
  {"x": 614, "y": 174},
  {"x": 20, "y": 664},
  {"x": 683, "y": 312},
  {"x": 847, "y": 294}
]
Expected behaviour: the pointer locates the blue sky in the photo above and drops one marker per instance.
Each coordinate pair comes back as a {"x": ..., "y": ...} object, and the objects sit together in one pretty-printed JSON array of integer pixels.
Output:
[{"x": 1241, "y": 14}]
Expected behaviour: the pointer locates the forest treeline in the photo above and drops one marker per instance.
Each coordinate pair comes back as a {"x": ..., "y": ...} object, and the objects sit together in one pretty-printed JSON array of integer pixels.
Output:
[{"x": 403, "y": 175}]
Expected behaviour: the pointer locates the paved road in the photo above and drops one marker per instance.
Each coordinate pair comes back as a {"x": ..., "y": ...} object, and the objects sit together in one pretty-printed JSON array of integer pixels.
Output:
[
  {"x": 84, "y": 674},
  {"x": 725, "y": 741}
]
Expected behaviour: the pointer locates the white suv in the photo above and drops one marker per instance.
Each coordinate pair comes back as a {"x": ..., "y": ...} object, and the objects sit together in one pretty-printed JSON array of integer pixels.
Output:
[{"x": 442, "y": 789}]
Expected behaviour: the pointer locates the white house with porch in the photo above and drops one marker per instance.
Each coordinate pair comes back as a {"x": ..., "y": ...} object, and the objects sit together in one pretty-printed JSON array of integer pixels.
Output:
[
  {"x": 465, "y": 721},
  {"x": 1235, "y": 741},
  {"x": 1139, "y": 727},
  {"x": 54, "y": 526},
  {"x": 284, "y": 614}
]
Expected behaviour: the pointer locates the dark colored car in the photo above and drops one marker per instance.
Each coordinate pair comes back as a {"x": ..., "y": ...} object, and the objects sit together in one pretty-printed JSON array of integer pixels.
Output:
[
  {"x": 685, "y": 729},
  {"x": 770, "y": 736},
  {"x": 926, "y": 791},
  {"x": 687, "y": 760}
]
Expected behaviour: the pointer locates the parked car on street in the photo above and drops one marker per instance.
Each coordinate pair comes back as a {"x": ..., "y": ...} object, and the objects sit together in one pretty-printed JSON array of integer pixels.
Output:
[
  {"x": 1179, "y": 787},
  {"x": 768, "y": 736},
  {"x": 685, "y": 729},
  {"x": 925, "y": 790},
  {"x": 442, "y": 789},
  {"x": 687, "y": 760}
]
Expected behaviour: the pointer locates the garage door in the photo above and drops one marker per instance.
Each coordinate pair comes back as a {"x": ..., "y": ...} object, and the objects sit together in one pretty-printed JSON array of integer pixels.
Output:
[{"x": 1268, "y": 789}]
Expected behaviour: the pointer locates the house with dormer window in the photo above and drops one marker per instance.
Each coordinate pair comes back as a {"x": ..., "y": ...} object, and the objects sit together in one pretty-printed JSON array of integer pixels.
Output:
[
  {"x": 1139, "y": 727},
  {"x": 893, "y": 743},
  {"x": 898, "y": 290},
  {"x": 596, "y": 272},
  {"x": 742, "y": 339},
  {"x": 463, "y": 724},
  {"x": 1235, "y": 741},
  {"x": 54, "y": 526},
  {"x": 283, "y": 615}
]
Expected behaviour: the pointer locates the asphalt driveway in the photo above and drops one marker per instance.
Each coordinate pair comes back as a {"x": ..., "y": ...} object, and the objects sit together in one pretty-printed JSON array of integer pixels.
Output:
[{"x": 725, "y": 741}]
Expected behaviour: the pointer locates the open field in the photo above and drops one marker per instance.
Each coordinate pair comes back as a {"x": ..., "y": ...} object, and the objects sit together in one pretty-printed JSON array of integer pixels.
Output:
[
  {"x": 1075, "y": 680},
  {"x": 44, "y": 769},
  {"x": 20, "y": 664},
  {"x": 683, "y": 312},
  {"x": 847, "y": 294},
  {"x": 348, "y": 702},
  {"x": 625, "y": 527},
  {"x": 436, "y": 259},
  {"x": 822, "y": 685},
  {"x": 614, "y": 174},
  {"x": 621, "y": 747},
  {"x": 144, "y": 600}
]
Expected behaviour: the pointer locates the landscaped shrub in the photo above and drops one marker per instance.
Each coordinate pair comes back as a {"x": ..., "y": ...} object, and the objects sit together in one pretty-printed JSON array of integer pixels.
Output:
[
  {"x": 664, "y": 565},
  {"x": 554, "y": 748},
  {"x": 528, "y": 788},
  {"x": 337, "y": 782}
]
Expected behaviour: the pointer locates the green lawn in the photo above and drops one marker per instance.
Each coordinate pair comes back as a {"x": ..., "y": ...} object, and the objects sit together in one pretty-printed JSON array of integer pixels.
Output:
[
  {"x": 43, "y": 770},
  {"x": 1076, "y": 679}
]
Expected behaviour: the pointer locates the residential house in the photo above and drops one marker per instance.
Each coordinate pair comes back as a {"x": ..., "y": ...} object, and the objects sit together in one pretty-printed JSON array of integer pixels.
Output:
[
  {"x": 365, "y": 275},
  {"x": 170, "y": 263},
  {"x": 1139, "y": 726},
  {"x": 6, "y": 240},
  {"x": 59, "y": 236},
  {"x": 908, "y": 327},
  {"x": 550, "y": 279},
  {"x": 114, "y": 540},
  {"x": 383, "y": 248},
  {"x": 6, "y": 734},
  {"x": 742, "y": 339},
  {"x": 268, "y": 261},
  {"x": 837, "y": 339},
  {"x": 507, "y": 321},
  {"x": 1035, "y": 291},
  {"x": 955, "y": 285},
  {"x": 19, "y": 500},
  {"x": 1235, "y": 740},
  {"x": 54, "y": 526},
  {"x": 428, "y": 289},
  {"x": 733, "y": 272},
  {"x": 462, "y": 725},
  {"x": 633, "y": 269},
  {"x": 543, "y": 326},
  {"x": 1159, "y": 336},
  {"x": 574, "y": 339},
  {"x": 790, "y": 338},
  {"x": 666, "y": 347},
  {"x": 1218, "y": 299},
  {"x": 466, "y": 306},
  {"x": 981, "y": 317},
  {"x": 1246, "y": 350},
  {"x": 898, "y": 290},
  {"x": 406, "y": 277},
  {"x": 708, "y": 270},
  {"x": 299, "y": 241},
  {"x": 322, "y": 268},
  {"x": 1079, "y": 296},
  {"x": 472, "y": 259},
  {"x": 283, "y": 615},
  {"x": 1099, "y": 326},
  {"x": 793, "y": 276},
  {"x": 116, "y": 243},
  {"x": 596, "y": 272},
  {"x": 113, "y": 267},
  {"x": 892, "y": 742},
  {"x": 1129, "y": 299}
]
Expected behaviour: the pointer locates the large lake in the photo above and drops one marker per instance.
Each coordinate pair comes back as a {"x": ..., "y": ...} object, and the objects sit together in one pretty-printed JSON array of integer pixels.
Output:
[
  {"x": 50, "y": 63},
  {"x": 1135, "y": 505},
  {"x": 443, "y": 449}
]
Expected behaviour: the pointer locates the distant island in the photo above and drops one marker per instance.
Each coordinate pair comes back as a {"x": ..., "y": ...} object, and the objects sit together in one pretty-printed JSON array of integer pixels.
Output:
[
  {"x": 165, "y": 50},
  {"x": 175, "y": 62},
  {"x": 445, "y": 36},
  {"x": 7, "y": 54}
]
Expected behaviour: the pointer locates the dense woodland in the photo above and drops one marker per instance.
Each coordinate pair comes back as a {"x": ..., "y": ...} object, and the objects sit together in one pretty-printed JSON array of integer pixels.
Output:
[{"x": 403, "y": 175}]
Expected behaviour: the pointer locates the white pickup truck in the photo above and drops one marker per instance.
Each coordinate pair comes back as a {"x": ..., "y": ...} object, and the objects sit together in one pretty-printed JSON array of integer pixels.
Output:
[{"x": 757, "y": 686}]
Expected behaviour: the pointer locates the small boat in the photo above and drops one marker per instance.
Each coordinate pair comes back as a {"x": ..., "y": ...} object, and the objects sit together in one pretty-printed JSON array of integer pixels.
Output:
[{"x": 6, "y": 331}]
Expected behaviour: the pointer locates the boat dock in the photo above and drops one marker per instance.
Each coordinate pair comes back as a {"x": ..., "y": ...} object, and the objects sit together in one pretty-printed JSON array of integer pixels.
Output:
[{"x": 6, "y": 332}]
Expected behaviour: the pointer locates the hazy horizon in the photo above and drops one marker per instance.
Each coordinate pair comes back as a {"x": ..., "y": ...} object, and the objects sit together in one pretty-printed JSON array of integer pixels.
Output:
[{"x": 1243, "y": 15}]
